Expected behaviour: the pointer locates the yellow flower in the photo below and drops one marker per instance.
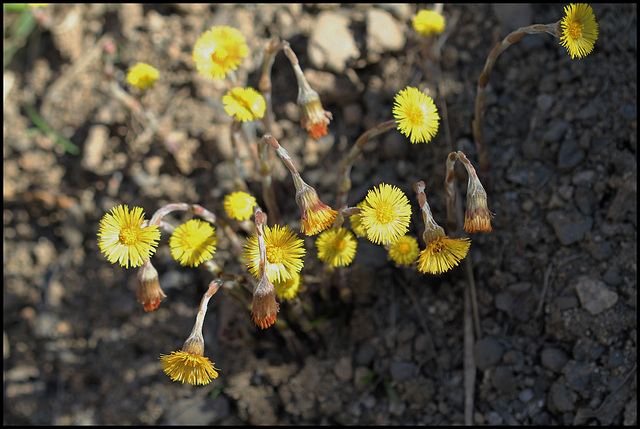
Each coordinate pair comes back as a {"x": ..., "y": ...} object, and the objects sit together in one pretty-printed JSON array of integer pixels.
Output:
[
  {"x": 189, "y": 364},
  {"x": 193, "y": 242},
  {"x": 337, "y": 248},
  {"x": 442, "y": 253},
  {"x": 244, "y": 104},
  {"x": 416, "y": 115},
  {"x": 579, "y": 30},
  {"x": 218, "y": 51},
  {"x": 122, "y": 240},
  {"x": 284, "y": 253},
  {"x": 356, "y": 222},
  {"x": 288, "y": 289},
  {"x": 239, "y": 205},
  {"x": 316, "y": 215},
  {"x": 142, "y": 76},
  {"x": 428, "y": 22},
  {"x": 404, "y": 250},
  {"x": 264, "y": 308},
  {"x": 386, "y": 214}
]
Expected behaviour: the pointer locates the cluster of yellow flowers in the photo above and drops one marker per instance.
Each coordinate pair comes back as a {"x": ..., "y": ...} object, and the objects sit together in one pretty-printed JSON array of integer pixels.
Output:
[{"x": 274, "y": 255}]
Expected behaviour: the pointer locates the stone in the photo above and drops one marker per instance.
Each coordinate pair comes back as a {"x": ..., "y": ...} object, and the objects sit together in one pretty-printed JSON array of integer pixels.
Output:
[
  {"x": 569, "y": 227},
  {"x": 594, "y": 295},
  {"x": 553, "y": 359},
  {"x": 488, "y": 352},
  {"x": 331, "y": 43}
]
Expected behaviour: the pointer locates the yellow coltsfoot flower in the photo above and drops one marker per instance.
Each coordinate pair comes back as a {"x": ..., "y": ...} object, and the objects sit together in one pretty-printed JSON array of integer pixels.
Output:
[
  {"x": 193, "y": 242},
  {"x": 428, "y": 22},
  {"x": 239, "y": 205},
  {"x": 442, "y": 253},
  {"x": 337, "y": 248},
  {"x": 316, "y": 215},
  {"x": 218, "y": 51},
  {"x": 288, "y": 289},
  {"x": 142, "y": 76},
  {"x": 386, "y": 214},
  {"x": 416, "y": 115},
  {"x": 284, "y": 253},
  {"x": 579, "y": 30},
  {"x": 190, "y": 365},
  {"x": 122, "y": 239},
  {"x": 244, "y": 104},
  {"x": 404, "y": 250}
]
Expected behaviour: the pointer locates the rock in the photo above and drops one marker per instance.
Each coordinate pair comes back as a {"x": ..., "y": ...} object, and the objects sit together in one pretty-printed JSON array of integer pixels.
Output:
[
  {"x": 403, "y": 370},
  {"x": 569, "y": 227},
  {"x": 629, "y": 111},
  {"x": 503, "y": 379},
  {"x": 578, "y": 374},
  {"x": 365, "y": 354},
  {"x": 560, "y": 398},
  {"x": 516, "y": 301},
  {"x": 199, "y": 410},
  {"x": 384, "y": 34},
  {"x": 331, "y": 43},
  {"x": 556, "y": 130},
  {"x": 343, "y": 369},
  {"x": 487, "y": 352},
  {"x": 594, "y": 295},
  {"x": 553, "y": 359},
  {"x": 570, "y": 154}
]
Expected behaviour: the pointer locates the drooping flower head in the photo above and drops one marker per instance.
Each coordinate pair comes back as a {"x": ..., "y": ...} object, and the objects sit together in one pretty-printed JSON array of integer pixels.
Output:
[
  {"x": 386, "y": 214},
  {"x": 149, "y": 292},
  {"x": 416, "y": 115},
  {"x": 193, "y": 242},
  {"x": 239, "y": 205},
  {"x": 314, "y": 118},
  {"x": 404, "y": 250},
  {"x": 284, "y": 253},
  {"x": 190, "y": 365},
  {"x": 428, "y": 22},
  {"x": 122, "y": 239},
  {"x": 264, "y": 308},
  {"x": 244, "y": 104},
  {"x": 288, "y": 289},
  {"x": 337, "y": 248},
  {"x": 316, "y": 216},
  {"x": 218, "y": 51},
  {"x": 477, "y": 216},
  {"x": 142, "y": 76},
  {"x": 579, "y": 30}
]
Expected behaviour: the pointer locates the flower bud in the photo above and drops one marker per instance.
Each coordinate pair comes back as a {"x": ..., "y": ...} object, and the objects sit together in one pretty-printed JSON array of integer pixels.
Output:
[{"x": 149, "y": 292}]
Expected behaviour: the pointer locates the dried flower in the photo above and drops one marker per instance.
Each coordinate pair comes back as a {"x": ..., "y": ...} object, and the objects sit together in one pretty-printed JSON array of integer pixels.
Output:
[
  {"x": 316, "y": 216},
  {"x": 477, "y": 216},
  {"x": 264, "y": 307},
  {"x": 239, "y": 205},
  {"x": 193, "y": 242},
  {"x": 284, "y": 253},
  {"x": 579, "y": 30},
  {"x": 244, "y": 104},
  {"x": 314, "y": 118},
  {"x": 190, "y": 364},
  {"x": 142, "y": 76},
  {"x": 218, "y": 51},
  {"x": 122, "y": 240},
  {"x": 416, "y": 115},
  {"x": 337, "y": 248},
  {"x": 149, "y": 291},
  {"x": 288, "y": 289},
  {"x": 404, "y": 250},
  {"x": 428, "y": 22},
  {"x": 386, "y": 214}
]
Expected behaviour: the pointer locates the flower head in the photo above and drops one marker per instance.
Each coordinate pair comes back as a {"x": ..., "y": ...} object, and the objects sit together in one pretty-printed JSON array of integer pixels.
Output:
[
  {"x": 442, "y": 253},
  {"x": 428, "y": 22},
  {"x": 142, "y": 76},
  {"x": 218, "y": 51},
  {"x": 193, "y": 242},
  {"x": 314, "y": 118},
  {"x": 149, "y": 292},
  {"x": 289, "y": 288},
  {"x": 386, "y": 214},
  {"x": 190, "y": 364},
  {"x": 316, "y": 216},
  {"x": 244, "y": 104},
  {"x": 356, "y": 222},
  {"x": 477, "y": 216},
  {"x": 404, "y": 250},
  {"x": 239, "y": 205},
  {"x": 337, "y": 248},
  {"x": 416, "y": 115},
  {"x": 264, "y": 307},
  {"x": 579, "y": 30},
  {"x": 284, "y": 253},
  {"x": 122, "y": 240}
]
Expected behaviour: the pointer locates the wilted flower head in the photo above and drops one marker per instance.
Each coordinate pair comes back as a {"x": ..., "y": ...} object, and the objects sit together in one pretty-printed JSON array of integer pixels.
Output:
[
  {"x": 244, "y": 104},
  {"x": 314, "y": 118},
  {"x": 477, "y": 216},
  {"x": 219, "y": 50},
  {"x": 142, "y": 76},
  {"x": 122, "y": 240},
  {"x": 193, "y": 242},
  {"x": 404, "y": 250},
  {"x": 190, "y": 365},
  {"x": 337, "y": 248},
  {"x": 284, "y": 253},
  {"x": 264, "y": 307},
  {"x": 428, "y": 22},
  {"x": 416, "y": 115},
  {"x": 239, "y": 205},
  {"x": 316, "y": 216},
  {"x": 149, "y": 291},
  {"x": 579, "y": 30},
  {"x": 386, "y": 214}
]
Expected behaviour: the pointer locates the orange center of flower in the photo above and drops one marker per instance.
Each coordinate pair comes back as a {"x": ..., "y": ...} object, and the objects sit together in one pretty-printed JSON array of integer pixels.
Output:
[
  {"x": 339, "y": 244},
  {"x": 384, "y": 214},
  {"x": 128, "y": 236},
  {"x": 415, "y": 115},
  {"x": 576, "y": 30},
  {"x": 220, "y": 54},
  {"x": 437, "y": 246},
  {"x": 275, "y": 254},
  {"x": 403, "y": 248}
]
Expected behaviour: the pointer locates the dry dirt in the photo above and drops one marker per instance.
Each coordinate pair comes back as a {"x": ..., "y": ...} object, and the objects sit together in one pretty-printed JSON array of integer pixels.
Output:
[{"x": 555, "y": 281}]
